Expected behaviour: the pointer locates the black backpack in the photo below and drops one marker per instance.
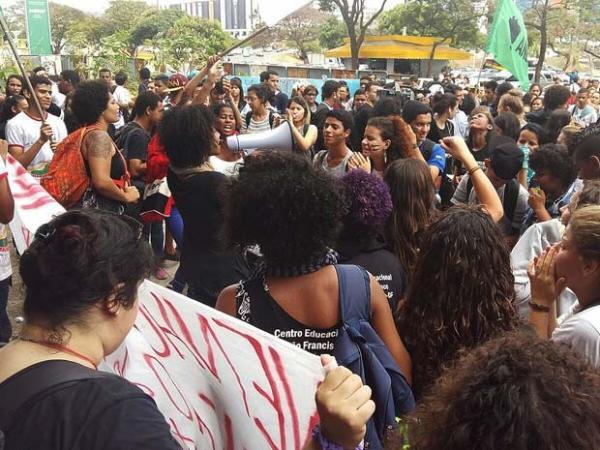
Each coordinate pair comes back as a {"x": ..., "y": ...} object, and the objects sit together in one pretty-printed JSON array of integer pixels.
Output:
[
  {"x": 271, "y": 119},
  {"x": 509, "y": 202}
]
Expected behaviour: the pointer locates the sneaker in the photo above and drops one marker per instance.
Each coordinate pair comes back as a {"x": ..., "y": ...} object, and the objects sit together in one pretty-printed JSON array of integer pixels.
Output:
[{"x": 161, "y": 274}]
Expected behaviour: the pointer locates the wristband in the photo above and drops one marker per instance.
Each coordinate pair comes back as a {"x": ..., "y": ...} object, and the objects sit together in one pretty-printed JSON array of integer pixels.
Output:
[
  {"x": 538, "y": 307},
  {"x": 326, "y": 444},
  {"x": 473, "y": 169}
]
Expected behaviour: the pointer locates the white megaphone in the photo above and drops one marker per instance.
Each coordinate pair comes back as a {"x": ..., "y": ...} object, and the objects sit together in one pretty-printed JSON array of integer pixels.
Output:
[{"x": 279, "y": 138}]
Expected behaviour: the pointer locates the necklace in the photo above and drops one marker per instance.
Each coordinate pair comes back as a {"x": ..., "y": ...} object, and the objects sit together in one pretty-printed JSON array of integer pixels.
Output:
[{"x": 61, "y": 348}]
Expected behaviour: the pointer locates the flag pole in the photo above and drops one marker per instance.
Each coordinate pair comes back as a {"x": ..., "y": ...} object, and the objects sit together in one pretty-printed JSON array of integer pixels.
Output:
[
  {"x": 26, "y": 80},
  {"x": 485, "y": 55}
]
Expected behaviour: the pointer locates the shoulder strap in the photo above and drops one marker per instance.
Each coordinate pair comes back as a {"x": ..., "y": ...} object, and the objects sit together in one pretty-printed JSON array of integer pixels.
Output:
[
  {"x": 355, "y": 293},
  {"x": 248, "y": 118},
  {"x": 271, "y": 119},
  {"x": 511, "y": 195},
  {"x": 26, "y": 386},
  {"x": 469, "y": 188}
]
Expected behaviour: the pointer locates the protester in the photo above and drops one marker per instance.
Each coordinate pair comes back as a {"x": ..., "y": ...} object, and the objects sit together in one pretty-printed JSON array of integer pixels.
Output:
[
  {"x": 460, "y": 121},
  {"x": 304, "y": 134},
  {"x": 413, "y": 200},
  {"x": 513, "y": 102},
  {"x": 329, "y": 94},
  {"x": 583, "y": 112},
  {"x": 271, "y": 79},
  {"x": 359, "y": 99},
  {"x": 568, "y": 135},
  {"x": 6, "y": 215},
  {"x": 555, "y": 123},
  {"x": 145, "y": 79},
  {"x": 12, "y": 106},
  {"x": 447, "y": 307},
  {"x": 587, "y": 153},
  {"x": 344, "y": 97},
  {"x": 123, "y": 98},
  {"x": 106, "y": 76},
  {"x": 489, "y": 94},
  {"x": 14, "y": 85},
  {"x": 237, "y": 93},
  {"x": 444, "y": 107},
  {"x": 189, "y": 139},
  {"x": 68, "y": 81},
  {"x": 503, "y": 165},
  {"x": 109, "y": 189},
  {"x": 361, "y": 240},
  {"x": 481, "y": 132},
  {"x": 531, "y": 137},
  {"x": 507, "y": 124},
  {"x": 555, "y": 97},
  {"x": 364, "y": 113},
  {"x": 31, "y": 141},
  {"x": 295, "y": 231},
  {"x": 419, "y": 117},
  {"x": 555, "y": 174},
  {"x": 574, "y": 263},
  {"x": 528, "y": 394},
  {"x": 337, "y": 130},
  {"x": 226, "y": 161},
  {"x": 260, "y": 118},
  {"x": 310, "y": 95}
]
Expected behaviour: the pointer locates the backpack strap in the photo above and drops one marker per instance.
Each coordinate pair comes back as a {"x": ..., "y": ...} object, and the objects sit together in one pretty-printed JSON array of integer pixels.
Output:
[
  {"x": 271, "y": 119},
  {"x": 28, "y": 385},
  {"x": 469, "y": 188},
  {"x": 511, "y": 195},
  {"x": 248, "y": 118},
  {"x": 355, "y": 293}
]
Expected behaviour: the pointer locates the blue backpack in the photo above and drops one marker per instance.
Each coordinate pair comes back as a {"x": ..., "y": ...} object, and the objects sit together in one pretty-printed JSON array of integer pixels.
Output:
[{"x": 360, "y": 349}]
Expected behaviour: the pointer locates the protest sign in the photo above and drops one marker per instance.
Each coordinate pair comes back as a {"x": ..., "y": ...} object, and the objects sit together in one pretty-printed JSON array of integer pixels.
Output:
[
  {"x": 33, "y": 205},
  {"x": 220, "y": 383}
]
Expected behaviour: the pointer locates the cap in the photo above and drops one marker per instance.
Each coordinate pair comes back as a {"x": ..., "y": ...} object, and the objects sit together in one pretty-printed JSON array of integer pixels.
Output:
[
  {"x": 176, "y": 81},
  {"x": 506, "y": 158}
]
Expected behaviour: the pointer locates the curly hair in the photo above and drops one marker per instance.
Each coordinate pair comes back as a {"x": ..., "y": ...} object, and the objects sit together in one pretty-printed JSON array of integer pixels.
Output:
[
  {"x": 461, "y": 293},
  {"x": 554, "y": 159},
  {"x": 187, "y": 134},
  {"x": 515, "y": 392},
  {"x": 587, "y": 143},
  {"x": 89, "y": 100},
  {"x": 78, "y": 259},
  {"x": 397, "y": 131},
  {"x": 291, "y": 210},
  {"x": 555, "y": 96},
  {"x": 413, "y": 197},
  {"x": 369, "y": 204}
]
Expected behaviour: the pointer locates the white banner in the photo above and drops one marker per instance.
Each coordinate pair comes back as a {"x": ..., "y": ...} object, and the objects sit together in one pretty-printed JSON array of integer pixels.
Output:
[
  {"x": 220, "y": 383},
  {"x": 33, "y": 205}
]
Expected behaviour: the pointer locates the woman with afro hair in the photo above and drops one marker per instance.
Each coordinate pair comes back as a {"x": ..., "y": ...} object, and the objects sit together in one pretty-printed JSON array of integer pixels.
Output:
[{"x": 294, "y": 212}]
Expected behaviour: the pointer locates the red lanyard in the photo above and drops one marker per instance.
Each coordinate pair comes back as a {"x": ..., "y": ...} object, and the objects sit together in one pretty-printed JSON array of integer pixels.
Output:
[{"x": 61, "y": 348}]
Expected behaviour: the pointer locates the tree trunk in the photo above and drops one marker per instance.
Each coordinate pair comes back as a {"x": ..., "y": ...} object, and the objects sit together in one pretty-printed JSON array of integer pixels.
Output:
[
  {"x": 543, "y": 43},
  {"x": 431, "y": 56},
  {"x": 354, "y": 48}
]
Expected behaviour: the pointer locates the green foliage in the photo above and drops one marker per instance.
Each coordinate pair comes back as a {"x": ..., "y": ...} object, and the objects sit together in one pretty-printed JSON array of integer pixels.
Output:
[
  {"x": 447, "y": 19},
  {"x": 332, "y": 33},
  {"x": 191, "y": 40},
  {"x": 62, "y": 18},
  {"x": 122, "y": 15},
  {"x": 302, "y": 31},
  {"x": 153, "y": 23}
]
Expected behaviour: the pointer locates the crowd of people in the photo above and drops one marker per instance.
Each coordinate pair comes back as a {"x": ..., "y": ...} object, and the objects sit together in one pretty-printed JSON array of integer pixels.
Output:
[{"x": 473, "y": 216}]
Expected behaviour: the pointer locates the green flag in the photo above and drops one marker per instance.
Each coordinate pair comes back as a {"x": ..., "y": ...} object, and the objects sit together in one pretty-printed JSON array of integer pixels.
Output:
[
  {"x": 38, "y": 27},
  {"x": 507, "y": 41}
]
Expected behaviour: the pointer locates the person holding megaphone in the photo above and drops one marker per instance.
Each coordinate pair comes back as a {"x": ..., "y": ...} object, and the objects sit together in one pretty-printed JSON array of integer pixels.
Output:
[{"x": 304, "y": 134}]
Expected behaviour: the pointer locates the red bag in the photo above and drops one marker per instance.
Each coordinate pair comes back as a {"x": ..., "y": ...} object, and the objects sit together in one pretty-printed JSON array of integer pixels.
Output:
[{"x": 67, "y": 179}]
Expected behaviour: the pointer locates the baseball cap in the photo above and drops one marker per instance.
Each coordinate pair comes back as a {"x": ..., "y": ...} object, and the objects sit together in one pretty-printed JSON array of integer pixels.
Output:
[
  {"x": 176, "y": 81},
  {"x": 506, "y": 158}
]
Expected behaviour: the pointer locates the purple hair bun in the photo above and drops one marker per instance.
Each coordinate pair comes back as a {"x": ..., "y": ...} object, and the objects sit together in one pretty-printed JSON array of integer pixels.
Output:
[{"x": 368, "y": 197}]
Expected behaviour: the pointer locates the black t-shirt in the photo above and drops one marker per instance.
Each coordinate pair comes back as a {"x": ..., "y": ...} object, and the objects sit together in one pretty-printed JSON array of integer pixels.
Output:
[
  {"x": 318, "y": 119},
  {"x": 204, "y": 261},
  {"x": 94, "y": 414},
  {"x": 360, "y": 124},
  {"x": 373, "y": 256},
  {"x": 134, "y": 140},
  {"x": 436, "y": 134}
]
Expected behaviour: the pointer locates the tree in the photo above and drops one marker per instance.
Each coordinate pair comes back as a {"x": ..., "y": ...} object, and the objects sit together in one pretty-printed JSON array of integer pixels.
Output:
[
  {"x": 62, "y": 18},
  {"x": 15, "y": 19},
  {"x": 353, "y": 15},
  {"x": 122, "y": 15},
  {"x": 301, "y": 30},
  {"x": 191, "y": 41},
  {"x": 332, "y": 33},
  {"x": 153, "y": 23},
  {"x": 453, "y": 21}
]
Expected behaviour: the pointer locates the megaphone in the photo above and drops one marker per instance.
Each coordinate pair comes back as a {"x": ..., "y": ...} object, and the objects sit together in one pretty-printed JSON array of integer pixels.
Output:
[{"x": 279, "y": 138}]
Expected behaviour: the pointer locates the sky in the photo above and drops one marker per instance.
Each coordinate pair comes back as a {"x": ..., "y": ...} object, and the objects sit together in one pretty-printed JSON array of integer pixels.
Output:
[{"x": 98, "y": 6}]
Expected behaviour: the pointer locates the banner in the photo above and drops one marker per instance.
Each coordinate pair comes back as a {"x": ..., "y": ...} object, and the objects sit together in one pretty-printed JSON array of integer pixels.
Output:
[
  {"x": 219, "y": 382},
  {"x": 33, "y": 205},
  {"x": 508, "y": 41},
  {"x": 38, "y": 27}
]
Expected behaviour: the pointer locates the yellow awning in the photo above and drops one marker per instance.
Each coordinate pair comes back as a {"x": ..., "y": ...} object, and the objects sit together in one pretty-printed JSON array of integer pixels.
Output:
[{"x": 400, "y": 47}]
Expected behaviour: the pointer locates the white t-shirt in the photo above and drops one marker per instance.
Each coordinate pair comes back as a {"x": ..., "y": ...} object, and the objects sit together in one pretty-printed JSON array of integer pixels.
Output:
[
  {"x": 227, "y": 168},
  {"x": 23, "y": 131},
  {"x": 5, "y": 267},
  {"x": 581, "y": 330},
  {"x": 121, "y": 95}
]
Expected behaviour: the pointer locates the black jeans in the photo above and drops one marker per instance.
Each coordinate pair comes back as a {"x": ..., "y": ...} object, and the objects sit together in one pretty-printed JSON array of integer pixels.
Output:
[{"x": 5, "y": 327}]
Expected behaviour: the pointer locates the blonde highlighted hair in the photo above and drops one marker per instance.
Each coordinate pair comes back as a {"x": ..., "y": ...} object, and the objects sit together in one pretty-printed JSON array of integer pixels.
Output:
[{"x": 585, "y": 231}]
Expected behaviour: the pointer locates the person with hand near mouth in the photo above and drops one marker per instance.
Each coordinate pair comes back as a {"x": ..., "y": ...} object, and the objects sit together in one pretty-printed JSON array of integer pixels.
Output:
[
  {"x": 32, "y": 139},
  {"x": 304, "y": 134}
]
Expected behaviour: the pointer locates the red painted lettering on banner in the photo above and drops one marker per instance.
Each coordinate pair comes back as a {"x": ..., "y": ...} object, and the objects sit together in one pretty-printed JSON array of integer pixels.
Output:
[
  {"x": 228, "y": 434},
  {"x": 177, "y": 433},
  {"x": 288, "y": 394},
  {"x": 203, "y": 428}
]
